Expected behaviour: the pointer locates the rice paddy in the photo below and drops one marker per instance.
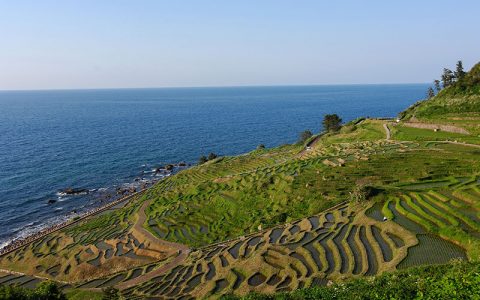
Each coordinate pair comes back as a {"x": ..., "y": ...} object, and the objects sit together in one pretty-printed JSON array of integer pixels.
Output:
[
  {"x": 95, "y": 247},
  {"x": 275, "y": 220},
  {"x": 347, "y": 241}
]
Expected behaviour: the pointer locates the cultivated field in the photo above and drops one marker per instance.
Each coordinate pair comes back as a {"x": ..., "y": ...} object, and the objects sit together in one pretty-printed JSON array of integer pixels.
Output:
[{"x": 277, "y": 219}]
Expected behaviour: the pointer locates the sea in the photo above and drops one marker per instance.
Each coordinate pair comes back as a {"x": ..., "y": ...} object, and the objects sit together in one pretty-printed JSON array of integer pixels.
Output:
[{"x": 106, "y": 139}]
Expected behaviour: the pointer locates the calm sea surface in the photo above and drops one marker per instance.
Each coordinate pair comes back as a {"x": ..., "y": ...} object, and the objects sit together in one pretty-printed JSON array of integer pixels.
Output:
[{"x": 99, "y": 139}]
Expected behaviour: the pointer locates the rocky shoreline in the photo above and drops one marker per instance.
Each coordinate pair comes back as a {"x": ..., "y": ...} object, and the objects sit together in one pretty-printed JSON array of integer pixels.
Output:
[{"x": 110, "y": 198}]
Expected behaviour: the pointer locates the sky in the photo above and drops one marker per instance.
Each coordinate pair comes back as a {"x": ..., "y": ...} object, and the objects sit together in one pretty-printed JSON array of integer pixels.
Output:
[{"x": 68, "y": 44}]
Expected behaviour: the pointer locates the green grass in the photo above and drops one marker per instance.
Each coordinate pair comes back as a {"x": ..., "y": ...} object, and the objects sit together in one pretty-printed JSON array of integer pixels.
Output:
[
  {"x": 368, "y": 130},
  {"x": 231, "y": 200},
  {"x": 231, "y": 206},
  {"x": 403, "y": 133},
  {"x": 450, "y": 281},
  {"x": 76, "y": 294},
  {"x": 386, "y": 210},
  {"x": 457, "y": 105}
]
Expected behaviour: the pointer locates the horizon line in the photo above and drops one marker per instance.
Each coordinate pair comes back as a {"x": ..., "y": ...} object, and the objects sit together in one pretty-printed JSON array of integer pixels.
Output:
[{"x": 202, "y": 87}]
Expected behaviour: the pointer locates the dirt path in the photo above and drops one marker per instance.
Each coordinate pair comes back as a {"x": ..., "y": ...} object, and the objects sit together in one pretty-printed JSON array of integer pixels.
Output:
[
  {"x": 147, "y": 235},
  {"x": 309, "y": 146},
  {"x": 183, "y": 254},
  {"x": 431, "y": 126},
  {"x": 455, "y": 143},
  {"x": 155, "y": 243},
  {"x": 387, "y": 130}
]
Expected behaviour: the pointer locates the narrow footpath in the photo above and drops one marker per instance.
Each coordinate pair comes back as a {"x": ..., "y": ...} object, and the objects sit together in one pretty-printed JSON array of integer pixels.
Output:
[
  {"x": 387, "y": 131},
  {"x": 180, "y": 249},
  {"x": 147, "y": 235}
]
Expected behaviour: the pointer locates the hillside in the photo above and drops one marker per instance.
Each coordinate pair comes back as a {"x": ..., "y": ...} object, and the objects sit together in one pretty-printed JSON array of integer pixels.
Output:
[
  {"x": 428, "y": 282},
  {"x": 378, "y": 196},
  {"x": 456, "y": 105}
]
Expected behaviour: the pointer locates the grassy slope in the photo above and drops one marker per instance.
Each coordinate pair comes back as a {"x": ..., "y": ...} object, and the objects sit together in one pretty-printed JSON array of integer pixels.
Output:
[
  {"x": 452, "y": 281},
  {"x": 457, "y": 105},
  {"x": 403, "y": 133},
  {"x": 77, "y": 294},
  {"x": 205, "y": 207},
  {"x": 232, "y": 196}
]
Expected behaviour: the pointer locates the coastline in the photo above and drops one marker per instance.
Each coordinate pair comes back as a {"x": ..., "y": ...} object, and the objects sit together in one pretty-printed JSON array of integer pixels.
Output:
[{"x": 17, "y": 242}]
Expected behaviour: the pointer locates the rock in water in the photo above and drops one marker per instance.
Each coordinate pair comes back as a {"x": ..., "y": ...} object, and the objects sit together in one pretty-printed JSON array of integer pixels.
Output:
[{"x": 72, "y": 191}]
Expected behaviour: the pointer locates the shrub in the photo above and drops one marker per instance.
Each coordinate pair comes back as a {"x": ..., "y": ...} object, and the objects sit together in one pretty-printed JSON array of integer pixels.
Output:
[
  {"x": 46, "y": 290},
  {"x": 203, "y": 159},
  {"x": 212, "y": 156},
  {"x": 304, "y": 136},
  {"x": 362, "y": 192},
  {"x": 110, "y": 293},
  {"x": 332, "y": 123}
]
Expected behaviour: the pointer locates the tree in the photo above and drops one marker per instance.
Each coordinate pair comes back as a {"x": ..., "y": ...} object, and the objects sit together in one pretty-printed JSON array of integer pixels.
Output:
[
  {"x": 430, "y": 93},
  {"x": 331, "y": 122},
  {"x": 436, "y": 82},
  {"x": 447, "y": 77},
  {"x": 49, "y": 290},
  {"x": 15, "y": 293},
  {"x": 459, "y": 73},
  {"x": 203, "y": 159},
  {"x": 212, "y": 156},
  {"x": 110, "y": 293},
  {"x": 304, "y": 136}
]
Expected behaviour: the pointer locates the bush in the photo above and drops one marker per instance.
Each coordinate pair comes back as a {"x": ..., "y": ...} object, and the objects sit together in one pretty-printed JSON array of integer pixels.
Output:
[
  {"x": 362, "y": 192},
  {"x": 304, "y": 136},
  {"x": 46, "y": 290},
  {"x": 332, "y": 123},
  {"x": 110, "y": 293},
  {"x": 212, "y": 156},
  {"x": 203, "y": 159}
]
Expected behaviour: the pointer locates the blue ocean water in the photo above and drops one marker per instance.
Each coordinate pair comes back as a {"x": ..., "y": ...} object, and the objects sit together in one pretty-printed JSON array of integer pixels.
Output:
[{"x": 94, "y": 139}]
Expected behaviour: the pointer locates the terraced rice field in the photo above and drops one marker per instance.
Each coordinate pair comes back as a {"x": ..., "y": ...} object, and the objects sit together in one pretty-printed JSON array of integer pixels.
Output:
[
  {"x": 220, "y": 210},
  {"x": 204, "y": 211},
  {"x": 96, "y": 247},
  {"x": 20, "y": 280},
  {"x": 350, "y": 240},
  {"x": 336, "y": 244}
]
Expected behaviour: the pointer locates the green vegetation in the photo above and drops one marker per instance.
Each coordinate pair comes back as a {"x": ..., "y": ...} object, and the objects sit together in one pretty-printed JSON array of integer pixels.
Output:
[
  {"x": 404, "y": 133},
  {"x": 457, "y": 104},
  {"x": 452, "y": 281},
  {"x": 364, "y": 130},
  {"x": 98, "y": 246},
  {"x": 304, "y": 136},
  {"x": 211, "y": 156},
  {"x": 44, "y": 291},
  {"x": 77, "y": 294},
  {"x": 331, "y": 123},
  {"x": 362, "y": 199}
]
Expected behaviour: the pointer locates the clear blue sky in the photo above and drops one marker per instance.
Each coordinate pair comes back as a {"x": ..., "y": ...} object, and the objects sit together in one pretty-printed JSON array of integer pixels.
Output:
[{"x": 134, "y": 43}]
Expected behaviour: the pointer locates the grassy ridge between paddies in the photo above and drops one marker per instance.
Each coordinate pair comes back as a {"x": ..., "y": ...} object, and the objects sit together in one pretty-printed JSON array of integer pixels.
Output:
[
  {"x": 221, "y": 208},
  {"x": 426, "y": 224}
]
